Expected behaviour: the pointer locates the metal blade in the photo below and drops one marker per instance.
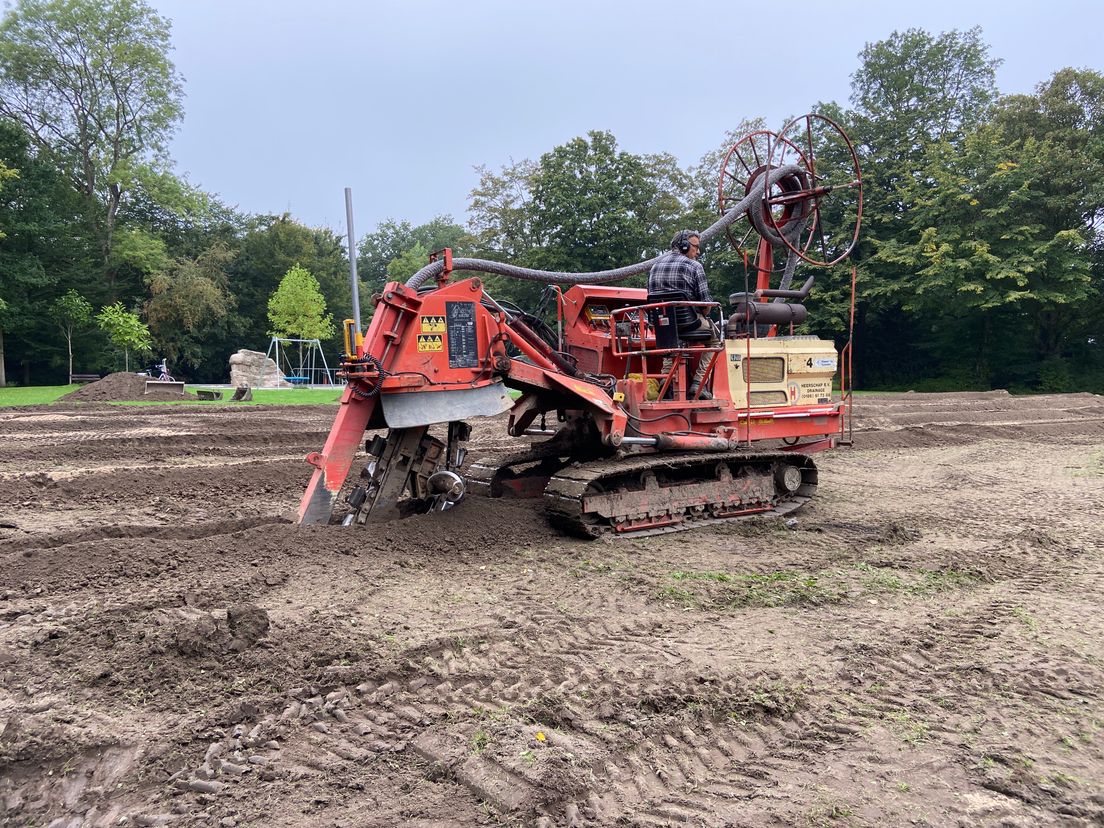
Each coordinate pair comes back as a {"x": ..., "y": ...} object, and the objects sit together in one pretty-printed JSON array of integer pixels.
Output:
[{"x": 332, "y": 465}]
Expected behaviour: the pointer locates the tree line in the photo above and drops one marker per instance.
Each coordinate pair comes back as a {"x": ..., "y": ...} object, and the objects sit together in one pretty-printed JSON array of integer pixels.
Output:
[{"x": 979, "y": 263}]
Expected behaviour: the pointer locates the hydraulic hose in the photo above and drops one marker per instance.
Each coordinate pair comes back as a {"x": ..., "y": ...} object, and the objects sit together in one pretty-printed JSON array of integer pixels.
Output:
[{"x": 752, "y": 199}]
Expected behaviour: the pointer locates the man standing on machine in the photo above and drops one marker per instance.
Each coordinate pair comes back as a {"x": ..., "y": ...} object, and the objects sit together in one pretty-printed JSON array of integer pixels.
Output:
[{"x": 679, "y": 271}]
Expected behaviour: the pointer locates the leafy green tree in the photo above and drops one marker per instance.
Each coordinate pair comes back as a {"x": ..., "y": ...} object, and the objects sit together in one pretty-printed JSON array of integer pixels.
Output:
[
  {"x": 590, "y": 206},
  {"x": 982, "y": 251},
  {"x": 391, "y": 240},
  {"x": 673, "y": 200},
  {"x": 409, "y": 263},
  {"x": 189, "y": 306},
  {"x": 45, "y": 250},
  {"x": 1066, "y": 112},
  {"x": 1064, "y": 122},
  {"x": 297, "y": 309},
  {"x": 136, "y": 254},
  {"x": 125, "y": 330},
  {"x": 92, "y": 83},
  {"x": 911, "y": 90},
  {"x": 5, "y": 173},
  {"x": 376, "y": 250},
  {"x": 271, "y": 246},
  {"x": 70, "y": 311},
  {"x": 584, "y": 206},
  {"x": 919, "y": 88},
  {"x": 186, "y": 219},
  {"x": 500, "y": 211},
  {"x": 3, "y": 315}
]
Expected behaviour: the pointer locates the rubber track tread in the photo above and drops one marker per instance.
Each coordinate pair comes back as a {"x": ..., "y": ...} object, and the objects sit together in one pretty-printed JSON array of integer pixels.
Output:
[{"x": 563, "y": 497}]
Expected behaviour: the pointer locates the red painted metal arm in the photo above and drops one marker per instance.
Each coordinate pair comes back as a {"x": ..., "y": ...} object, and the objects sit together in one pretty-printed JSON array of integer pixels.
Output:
[{"x": 331, "y": 467}]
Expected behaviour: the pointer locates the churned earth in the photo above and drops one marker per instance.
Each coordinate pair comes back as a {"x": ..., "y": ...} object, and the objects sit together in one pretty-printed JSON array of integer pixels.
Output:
[{"x": 924, "y": 647}]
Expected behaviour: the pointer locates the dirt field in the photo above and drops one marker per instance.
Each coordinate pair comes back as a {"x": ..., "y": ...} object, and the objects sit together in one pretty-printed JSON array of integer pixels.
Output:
[{"x": 924, "y": 647}]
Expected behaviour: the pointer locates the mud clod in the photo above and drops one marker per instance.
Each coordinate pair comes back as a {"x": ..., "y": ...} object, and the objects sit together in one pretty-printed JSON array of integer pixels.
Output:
[
  {"x": 206, "y": 786},
  {"x": 248, "y": 625}
]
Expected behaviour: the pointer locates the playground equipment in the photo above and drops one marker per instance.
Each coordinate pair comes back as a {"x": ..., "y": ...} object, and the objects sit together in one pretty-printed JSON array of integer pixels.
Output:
[{"x": 300, "y": 361}]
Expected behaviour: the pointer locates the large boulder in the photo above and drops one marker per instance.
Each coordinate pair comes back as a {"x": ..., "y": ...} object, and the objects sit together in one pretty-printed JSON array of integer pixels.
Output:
[{"x": 254, "y": 369}]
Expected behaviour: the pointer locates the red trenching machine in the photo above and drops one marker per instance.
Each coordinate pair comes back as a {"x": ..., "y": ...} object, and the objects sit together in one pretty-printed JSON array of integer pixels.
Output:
[{"x": 629, "y": 450}]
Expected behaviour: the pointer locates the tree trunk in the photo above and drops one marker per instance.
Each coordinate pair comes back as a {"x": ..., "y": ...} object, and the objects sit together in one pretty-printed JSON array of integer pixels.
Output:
[
  {"x": 984, "y": 371},
  {"x": 69, "y": 342},
  {"x": 126, "y": 360},
  {"x": 3, "y": 376},
  {"x": 1048, "y": 334},
  {"x": 106, "y": 232}
]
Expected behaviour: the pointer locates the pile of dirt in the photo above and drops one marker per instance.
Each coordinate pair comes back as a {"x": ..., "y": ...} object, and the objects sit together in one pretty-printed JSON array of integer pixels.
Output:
[{"x": 122, "y": 387}]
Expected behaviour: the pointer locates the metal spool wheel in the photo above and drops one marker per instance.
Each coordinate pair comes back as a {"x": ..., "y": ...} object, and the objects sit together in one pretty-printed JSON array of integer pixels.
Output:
[
  {"x": 833, "y": 170},
  {"x": 744, "y": 164}
]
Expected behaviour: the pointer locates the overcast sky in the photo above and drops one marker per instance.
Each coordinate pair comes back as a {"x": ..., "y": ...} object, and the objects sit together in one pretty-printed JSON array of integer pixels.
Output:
[{"x": 290, "y": 101}]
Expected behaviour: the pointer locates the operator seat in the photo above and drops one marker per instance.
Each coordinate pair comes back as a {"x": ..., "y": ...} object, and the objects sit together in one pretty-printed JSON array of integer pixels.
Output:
[{"x": 676, "y": 324}]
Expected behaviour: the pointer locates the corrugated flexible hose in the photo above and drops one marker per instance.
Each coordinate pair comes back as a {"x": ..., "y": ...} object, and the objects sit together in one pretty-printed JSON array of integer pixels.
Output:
[{"x": 752, "y": 199}]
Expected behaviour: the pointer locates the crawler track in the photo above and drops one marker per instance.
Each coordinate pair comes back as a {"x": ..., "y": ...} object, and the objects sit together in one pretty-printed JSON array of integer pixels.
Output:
[
  {"x": 648, "y": 494},
  {"x": 657, "y": 494}
]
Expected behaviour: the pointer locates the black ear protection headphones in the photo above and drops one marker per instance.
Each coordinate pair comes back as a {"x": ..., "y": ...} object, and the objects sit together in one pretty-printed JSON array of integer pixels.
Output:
[{"x": 681, "y": 241}]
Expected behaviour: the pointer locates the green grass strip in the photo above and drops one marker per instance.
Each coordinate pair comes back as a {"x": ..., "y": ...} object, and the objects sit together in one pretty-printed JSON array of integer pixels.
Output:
[{"x": 46, "y": 394}]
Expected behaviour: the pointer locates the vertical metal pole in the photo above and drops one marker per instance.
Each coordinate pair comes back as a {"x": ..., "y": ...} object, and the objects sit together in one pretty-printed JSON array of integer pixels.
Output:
[{"x": 352, "y": 257}]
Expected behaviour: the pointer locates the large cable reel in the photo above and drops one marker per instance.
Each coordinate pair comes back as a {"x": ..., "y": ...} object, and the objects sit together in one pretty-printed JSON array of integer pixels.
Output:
[{"x": 794, "y": 210}]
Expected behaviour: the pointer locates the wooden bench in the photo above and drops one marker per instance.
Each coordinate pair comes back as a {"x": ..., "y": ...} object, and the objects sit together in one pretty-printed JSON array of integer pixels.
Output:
[{"x": 76, "y": 379}]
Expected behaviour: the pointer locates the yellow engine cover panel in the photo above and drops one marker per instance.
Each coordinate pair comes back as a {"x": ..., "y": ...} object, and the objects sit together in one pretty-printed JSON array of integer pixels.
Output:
[{"x": 783, "y": 371}]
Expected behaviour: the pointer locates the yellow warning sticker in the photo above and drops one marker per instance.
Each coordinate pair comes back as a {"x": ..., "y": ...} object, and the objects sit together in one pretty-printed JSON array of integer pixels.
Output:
[
  {"x": 433, "y": 324},
  {"x": 430, "y": 343}
]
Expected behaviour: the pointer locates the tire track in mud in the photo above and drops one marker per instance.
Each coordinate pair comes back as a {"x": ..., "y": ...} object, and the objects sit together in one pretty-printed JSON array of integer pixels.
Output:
[
  {"x": 194, "y": 531},
  {"x": 648, "y": 767},
  {"x": 109, "y": 446},
  {"x": 696, "y": 772},
  {"x": 917, "y": 678},
  {"x": 437, "y": 683},
  {"x": 636, "y": 731},
  {"x": 684, "y": 772}
]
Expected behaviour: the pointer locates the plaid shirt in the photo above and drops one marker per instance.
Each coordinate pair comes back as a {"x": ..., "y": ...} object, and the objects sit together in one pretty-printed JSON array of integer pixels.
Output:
[{"x": 677, "y": 271}]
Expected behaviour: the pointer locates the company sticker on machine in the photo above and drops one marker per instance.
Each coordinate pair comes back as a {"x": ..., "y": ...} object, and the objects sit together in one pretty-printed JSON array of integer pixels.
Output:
[
  {"x": 460, "y": 327},
  {"x": 819, "y": 390}
]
